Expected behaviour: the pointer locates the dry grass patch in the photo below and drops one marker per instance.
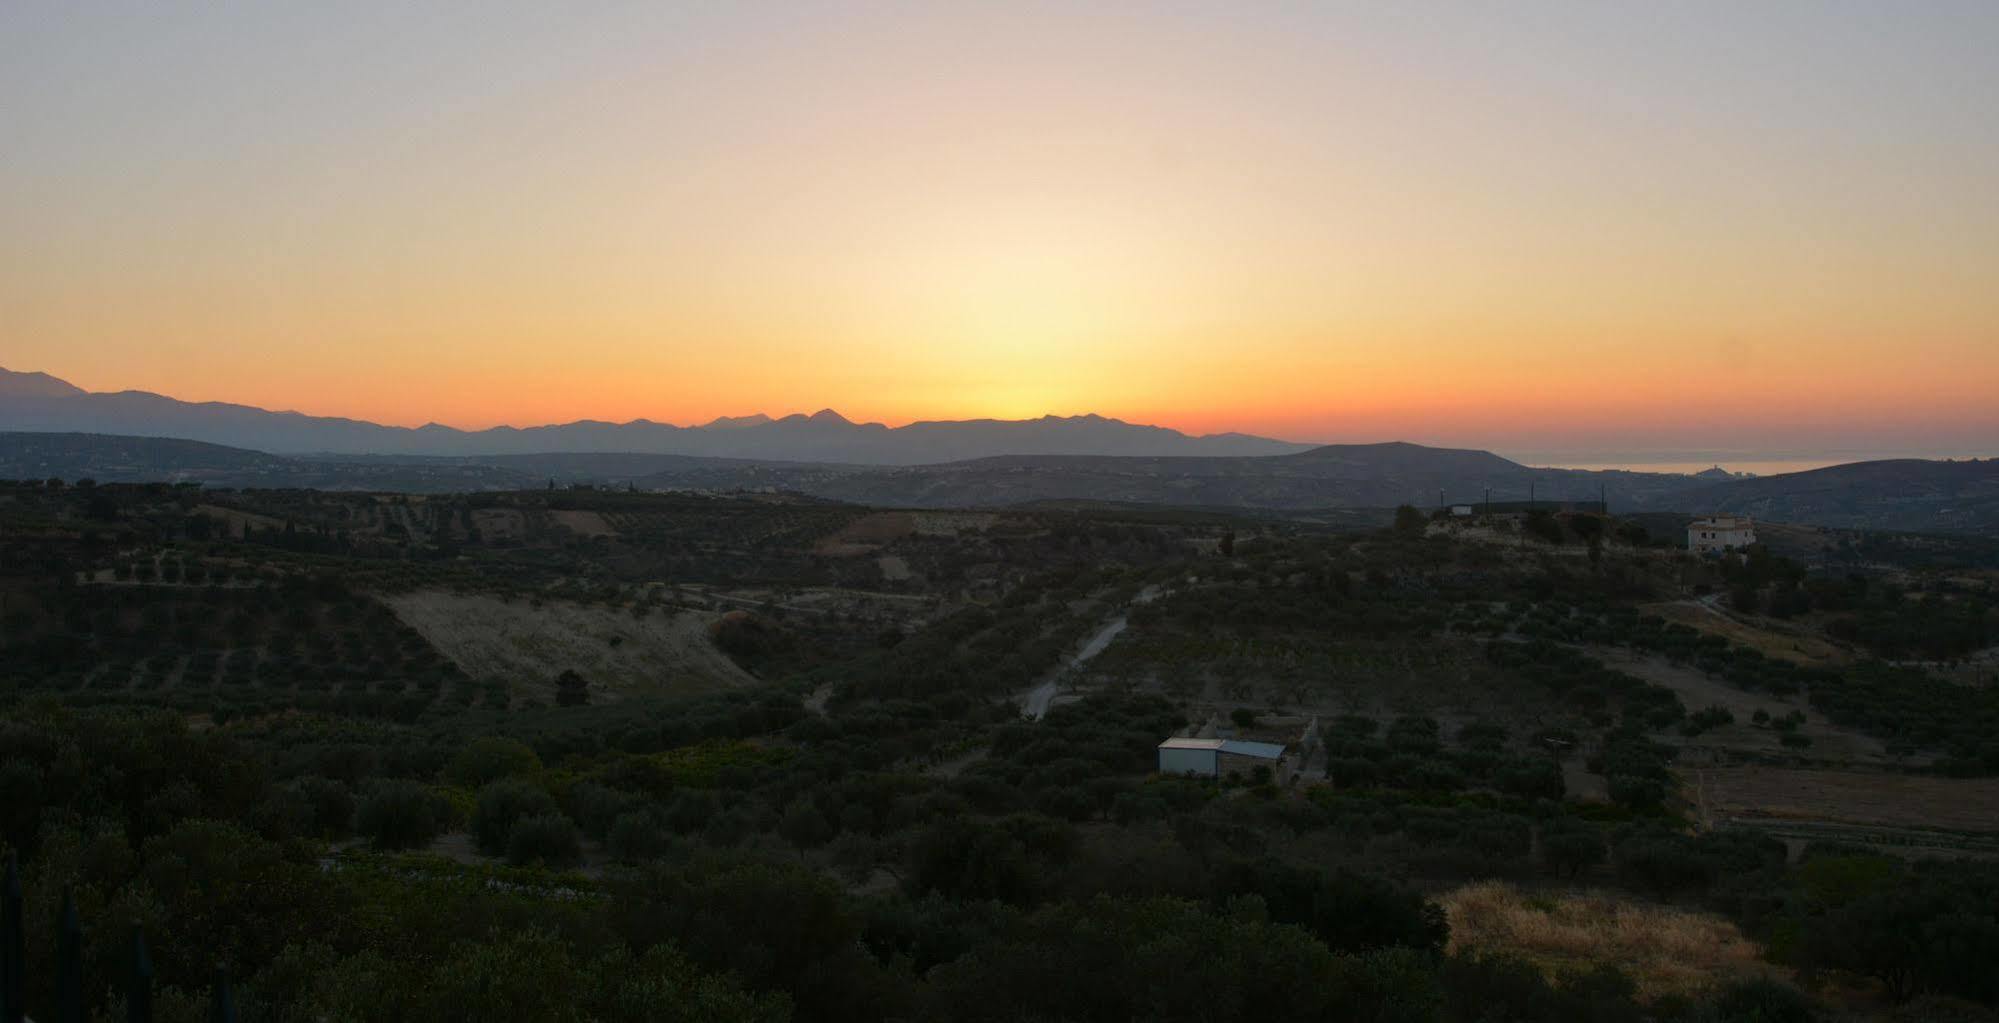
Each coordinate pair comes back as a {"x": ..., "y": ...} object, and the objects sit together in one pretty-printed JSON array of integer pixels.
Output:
[
  {"x": 1781, "y": 640},
  {"x": 1664, "y": 950}
]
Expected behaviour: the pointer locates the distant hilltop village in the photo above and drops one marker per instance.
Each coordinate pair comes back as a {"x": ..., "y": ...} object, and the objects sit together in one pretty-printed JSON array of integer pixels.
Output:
[{"x": 1720, "y": 534}]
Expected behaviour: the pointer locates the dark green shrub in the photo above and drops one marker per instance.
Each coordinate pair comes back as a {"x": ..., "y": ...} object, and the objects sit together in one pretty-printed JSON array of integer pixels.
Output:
[
  {"x": 502, "y": 805},
  {"x": 548, "y": 839},
  {"x": 489, "y": 759},
  {"x": 1763, "y": 1001},
  {"x": 638, "y": 837},
  {"x": 401, "y": 814}
]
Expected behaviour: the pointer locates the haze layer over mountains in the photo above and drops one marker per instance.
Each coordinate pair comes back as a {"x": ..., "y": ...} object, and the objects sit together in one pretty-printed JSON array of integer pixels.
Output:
[
  {"x": 49, "y": 428},
  {"x": 41, "y": 403}
]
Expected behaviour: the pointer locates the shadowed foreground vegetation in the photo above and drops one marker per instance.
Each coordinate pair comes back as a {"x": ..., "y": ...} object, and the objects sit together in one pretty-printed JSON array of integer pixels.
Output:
[{"x": 1497, "y": 826}]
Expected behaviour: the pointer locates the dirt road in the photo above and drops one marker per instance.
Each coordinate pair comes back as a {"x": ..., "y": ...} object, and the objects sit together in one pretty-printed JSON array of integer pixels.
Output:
[{"x": 1034, "y": 703}]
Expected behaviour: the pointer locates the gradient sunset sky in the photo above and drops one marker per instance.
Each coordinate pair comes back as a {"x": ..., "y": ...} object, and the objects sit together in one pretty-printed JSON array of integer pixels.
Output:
[{"x": 1551, "y": 225}]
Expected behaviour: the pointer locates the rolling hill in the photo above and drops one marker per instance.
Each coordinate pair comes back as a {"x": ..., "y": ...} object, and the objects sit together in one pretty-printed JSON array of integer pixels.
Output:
[
  {"x": 1910, "y": 495},
  {"x": 1903, "y": 494},
  {"x": 1332, "y": 476}
]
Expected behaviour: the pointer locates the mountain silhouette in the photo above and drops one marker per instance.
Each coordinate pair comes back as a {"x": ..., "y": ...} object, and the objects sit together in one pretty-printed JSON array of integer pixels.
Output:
[
  {"x": 37, "y": 402},
  {"x": 35, "y": 385}
]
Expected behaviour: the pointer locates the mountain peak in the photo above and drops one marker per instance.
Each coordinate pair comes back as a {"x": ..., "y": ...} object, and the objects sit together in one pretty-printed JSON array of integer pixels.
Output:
[
  {"x": 736, "y": 422},
  {"x": 43, "y": 404},
  {"x": 35, "y": 385}
]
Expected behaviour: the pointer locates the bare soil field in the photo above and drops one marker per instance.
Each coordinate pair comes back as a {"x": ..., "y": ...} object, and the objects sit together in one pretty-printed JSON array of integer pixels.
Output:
[
  {"x": 866, "y": 535},
  {"x": 236, "y": 520},
  {"x": 619, "y": 654},
  {"x": 953, "y": 523},
  {"x": 1848, "y": 797},
  {"x": 500, "y": 523},
  {"x": 1697, "y": 691},
  {"x": 583, "y": 523}
]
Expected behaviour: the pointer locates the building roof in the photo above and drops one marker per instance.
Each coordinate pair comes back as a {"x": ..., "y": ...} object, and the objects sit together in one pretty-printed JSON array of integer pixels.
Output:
[
  {"x": 1178, "y": 743},
  {"x": 1263, "y": 750},
  {"x": 1237, "y": 747}
]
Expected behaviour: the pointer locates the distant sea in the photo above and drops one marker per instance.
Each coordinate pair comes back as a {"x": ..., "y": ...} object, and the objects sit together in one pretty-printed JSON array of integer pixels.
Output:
[{"x": 1760, "y": 464}]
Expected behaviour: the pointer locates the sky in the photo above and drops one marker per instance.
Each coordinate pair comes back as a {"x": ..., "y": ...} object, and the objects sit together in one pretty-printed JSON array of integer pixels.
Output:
[{"x": 1574, "y": 227}]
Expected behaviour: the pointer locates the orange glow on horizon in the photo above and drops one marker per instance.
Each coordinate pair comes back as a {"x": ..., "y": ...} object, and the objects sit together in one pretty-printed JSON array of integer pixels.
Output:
[{"x": 1337, "y": 224}]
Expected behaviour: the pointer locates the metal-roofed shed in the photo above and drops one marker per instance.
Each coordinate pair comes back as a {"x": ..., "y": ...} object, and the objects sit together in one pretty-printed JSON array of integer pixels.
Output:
[
  {"x": 1190, "y": 756},
  {"x": 1212, "y": 758}
]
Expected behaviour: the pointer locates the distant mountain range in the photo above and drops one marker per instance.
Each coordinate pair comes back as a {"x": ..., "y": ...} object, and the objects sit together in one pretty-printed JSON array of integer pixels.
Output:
[
  {"x": 1908, "y": 494},
  {"x": 64, "y": 431},
  {"x": 41, "y": 403}
]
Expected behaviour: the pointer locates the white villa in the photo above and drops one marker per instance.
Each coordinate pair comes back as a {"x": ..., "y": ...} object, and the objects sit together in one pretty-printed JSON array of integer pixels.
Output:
[{"x": 1720, "y": 534}]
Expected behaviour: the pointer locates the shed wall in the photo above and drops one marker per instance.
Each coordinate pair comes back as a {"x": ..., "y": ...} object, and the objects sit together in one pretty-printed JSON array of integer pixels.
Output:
[
  {"x": 1187, "y": 761},
  {"x": 1231, "y": 763}
]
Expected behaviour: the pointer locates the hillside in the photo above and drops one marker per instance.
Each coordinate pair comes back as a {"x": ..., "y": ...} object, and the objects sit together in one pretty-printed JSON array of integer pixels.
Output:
[
  {"x": 104, "y": 457},
  {"x": 1902, "y": 494},
  {"x": 1332, "y": 476},
  {"x": 119, "y": 459}
]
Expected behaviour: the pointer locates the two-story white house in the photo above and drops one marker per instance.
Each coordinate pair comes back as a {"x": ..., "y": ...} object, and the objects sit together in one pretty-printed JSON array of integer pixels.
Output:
[{"x": 1720, "y": 534}]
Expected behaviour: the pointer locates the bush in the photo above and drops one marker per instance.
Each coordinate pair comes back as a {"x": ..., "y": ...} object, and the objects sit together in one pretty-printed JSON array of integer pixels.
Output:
[
  {"x": 1543, "y": 526},
  {"x": 595, "y": 807},
  {"x": 402, "y": 814},
  {"x": 1943, "y": 1009},
  {"x": 1493, "y": 987},
  {"x": 804, "y": 826},
  {"x": 1702, "y": 720},
  {"x": 1409, "y": 521},
  {"x": 548, "y": 839},
  {"x": 1763, "y": 1001},
  {"x": 1664, "y": 862},
  {"x": 1635, "y": 793},
  {"x": 502, "y": 805},
  {"x": 639, "y": 836},
  {"x": 1571, "y": 846},
  {"x": 320, "y": 807},
  {"x": 489, "y": 759}
]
